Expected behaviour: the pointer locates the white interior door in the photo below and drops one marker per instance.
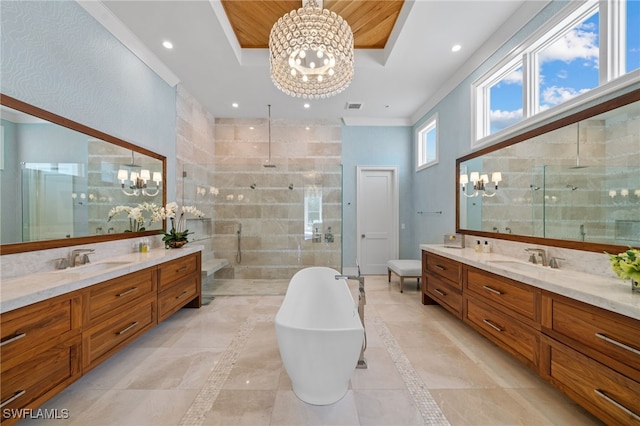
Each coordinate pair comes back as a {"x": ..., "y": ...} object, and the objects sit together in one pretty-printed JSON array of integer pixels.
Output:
[{"x": 377, "y": 218}]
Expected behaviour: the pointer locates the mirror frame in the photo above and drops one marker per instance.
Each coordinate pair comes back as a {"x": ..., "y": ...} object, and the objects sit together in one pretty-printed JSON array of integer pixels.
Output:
[
  {"x": 65, "y": 122},
  {"x": 603, "y": 107}
]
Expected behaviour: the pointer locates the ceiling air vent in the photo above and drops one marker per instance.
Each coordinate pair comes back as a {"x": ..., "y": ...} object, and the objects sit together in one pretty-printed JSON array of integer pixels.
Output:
[{"x": 353, "y": 105}]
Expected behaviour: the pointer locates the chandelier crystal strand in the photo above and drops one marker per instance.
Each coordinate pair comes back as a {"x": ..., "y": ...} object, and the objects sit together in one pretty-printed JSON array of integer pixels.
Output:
[{"x": 311, "y": 53}]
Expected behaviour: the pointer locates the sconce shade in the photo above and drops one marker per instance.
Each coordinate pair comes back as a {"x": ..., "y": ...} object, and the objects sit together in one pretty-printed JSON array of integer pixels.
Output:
[
  {"x": 474, "y": 177},
  {"x": 145, "y": 175},
  {"x": 496, "y": 177},
  {"x": 464, "y": 179},
  {"x": 157, "y": 177},
  {"x": 123, "y": 175}
]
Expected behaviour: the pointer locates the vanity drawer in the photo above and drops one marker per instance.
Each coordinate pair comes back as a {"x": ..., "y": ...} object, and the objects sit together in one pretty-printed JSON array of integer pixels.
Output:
[
  {"x": 512, "y": 335},
  {"x": 177, "y": 269},
  {"x": 519, "y": 299},
  {"x": 177, "y": 296},
  {"x": 446, "y": 295},
  {"x": 112, "y": 294},
  {"x": 446, "y": 268},
  {"x": 41, "y": 323},
  {"x": 104, "y": 339},
  {"x": 611, "y": 338},
  {"x": 39, "y": 376},
  {"x": 608, "y": 394}
]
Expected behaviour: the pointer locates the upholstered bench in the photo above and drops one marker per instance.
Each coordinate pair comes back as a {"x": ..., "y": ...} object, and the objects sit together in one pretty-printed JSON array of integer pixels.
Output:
[{"x": 405, "y": 268}]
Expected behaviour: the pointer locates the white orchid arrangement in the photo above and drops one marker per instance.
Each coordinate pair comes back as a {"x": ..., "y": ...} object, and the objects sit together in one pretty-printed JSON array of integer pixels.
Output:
[
  {"x": 175, "y": 214},
  {"x": 136, "y": 215}
]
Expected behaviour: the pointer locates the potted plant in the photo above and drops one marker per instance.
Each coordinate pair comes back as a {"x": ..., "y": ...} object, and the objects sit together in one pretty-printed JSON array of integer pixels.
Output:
[
  {"x": 626, "y": 265},
  {"x": 176, "y": 237}
]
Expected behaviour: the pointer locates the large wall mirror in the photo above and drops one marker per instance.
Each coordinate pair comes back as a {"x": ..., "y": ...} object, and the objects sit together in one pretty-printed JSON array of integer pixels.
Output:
[
  {"x": 62, "y": 182},
  {"x": 572, "y": 183}
]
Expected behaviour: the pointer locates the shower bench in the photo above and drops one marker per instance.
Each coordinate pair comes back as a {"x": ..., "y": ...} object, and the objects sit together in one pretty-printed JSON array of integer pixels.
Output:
[{"x": 405, "y": 268}]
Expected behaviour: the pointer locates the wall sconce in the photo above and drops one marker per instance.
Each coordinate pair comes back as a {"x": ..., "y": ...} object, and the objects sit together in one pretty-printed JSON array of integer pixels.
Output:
[
  {"x": 138, "y": 182},
  {"x": 479, "y": 183}
]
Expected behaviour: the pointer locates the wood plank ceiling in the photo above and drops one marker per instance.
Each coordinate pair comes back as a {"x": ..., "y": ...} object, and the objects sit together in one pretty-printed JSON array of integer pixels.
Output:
[{"x": 371, "y": 20}]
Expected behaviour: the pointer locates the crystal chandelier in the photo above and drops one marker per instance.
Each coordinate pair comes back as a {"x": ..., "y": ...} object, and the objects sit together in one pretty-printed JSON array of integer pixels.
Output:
[{"x": 311, "y": 52}]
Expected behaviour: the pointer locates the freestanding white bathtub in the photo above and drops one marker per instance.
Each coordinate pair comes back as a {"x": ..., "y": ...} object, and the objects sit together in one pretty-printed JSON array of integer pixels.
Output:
[{"x": 319, "y": 334}]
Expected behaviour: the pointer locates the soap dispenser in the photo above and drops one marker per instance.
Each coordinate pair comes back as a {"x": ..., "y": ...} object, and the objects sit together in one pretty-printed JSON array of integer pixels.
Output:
[
  {"x": 486, "y": 248},
  {"x": 478, "y": 247}
]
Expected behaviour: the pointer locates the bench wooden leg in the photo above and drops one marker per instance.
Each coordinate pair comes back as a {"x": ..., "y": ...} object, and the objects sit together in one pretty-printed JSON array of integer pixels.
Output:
[
  {"x": 389, "y": 271},
  {"x": 401, "y": 284}
]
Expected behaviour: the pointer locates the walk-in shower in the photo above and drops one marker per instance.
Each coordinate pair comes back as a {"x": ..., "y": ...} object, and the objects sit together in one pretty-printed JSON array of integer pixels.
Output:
[{"x": 264, "y": 219}]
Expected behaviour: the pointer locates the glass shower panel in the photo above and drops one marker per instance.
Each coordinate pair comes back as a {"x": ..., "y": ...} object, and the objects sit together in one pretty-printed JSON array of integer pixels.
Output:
[{"x": 263, "y": 220}]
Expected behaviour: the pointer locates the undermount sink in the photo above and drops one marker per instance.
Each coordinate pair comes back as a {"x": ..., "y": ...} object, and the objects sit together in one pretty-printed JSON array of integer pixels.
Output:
[
  {"x": 519, "y": 266},
  {"x": 95, "y": 267}
]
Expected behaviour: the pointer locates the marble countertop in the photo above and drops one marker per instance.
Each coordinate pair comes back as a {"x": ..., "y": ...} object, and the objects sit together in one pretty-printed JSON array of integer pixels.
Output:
[
  {"x": 609, "y": 293},
  {"x": 27, "y": 289}
]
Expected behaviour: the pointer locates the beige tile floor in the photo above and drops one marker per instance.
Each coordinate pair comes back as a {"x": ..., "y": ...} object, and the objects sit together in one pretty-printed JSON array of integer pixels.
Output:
[{"x": 220, "y": 365}]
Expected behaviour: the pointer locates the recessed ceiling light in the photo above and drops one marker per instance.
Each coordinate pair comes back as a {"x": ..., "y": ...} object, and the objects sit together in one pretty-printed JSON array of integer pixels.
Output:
[
  {"x": 235, "y": 105},
  {"x": 167, "y": 44},
  {"x": 456, "y": 47},
  {"x": 251, "y": 127},
  {"x": 307, "y": 105},
  {"x": 307, "y": 128}
]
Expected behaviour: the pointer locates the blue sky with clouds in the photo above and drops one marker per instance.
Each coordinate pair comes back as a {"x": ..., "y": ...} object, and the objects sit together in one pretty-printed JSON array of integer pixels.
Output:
[{"x": 568, "y": 67}]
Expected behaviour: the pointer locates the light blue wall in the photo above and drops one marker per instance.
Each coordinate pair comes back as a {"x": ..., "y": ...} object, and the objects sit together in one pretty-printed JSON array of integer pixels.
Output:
[
  {"x": 376, "y": 146},
  {"x": 57, "y": 57}
]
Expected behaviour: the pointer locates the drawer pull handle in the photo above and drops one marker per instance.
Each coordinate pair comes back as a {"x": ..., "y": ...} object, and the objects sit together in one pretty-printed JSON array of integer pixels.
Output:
[
  {"x": 181, "y": 295},
  {"x": 124, "y": 330},
  {"x": 440, "y": 267},
  {"x": 184, "y": 268},
  {"x": 612, "y": 401},
  {"x": 441, "y": 293},
  {"x": 13, "y": 397},
  {"x": 124, "y": 293},
  {"x": 492, "y": 290},
  {"x": 492, "y": 325},
  {"x": 13, "y": 339},
  {"x": 615, "y": 342}
]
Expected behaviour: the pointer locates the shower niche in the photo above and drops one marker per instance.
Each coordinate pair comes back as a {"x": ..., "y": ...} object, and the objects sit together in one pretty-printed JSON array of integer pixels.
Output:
[{"x": 576, "y": 180}]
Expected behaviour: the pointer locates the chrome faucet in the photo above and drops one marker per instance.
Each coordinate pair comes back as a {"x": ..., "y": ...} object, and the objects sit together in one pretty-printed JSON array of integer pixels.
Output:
[
  {"x": 80, "y": 257},
  {"x": 540, "y": 252},
  {"x": 362, "y": 300}
]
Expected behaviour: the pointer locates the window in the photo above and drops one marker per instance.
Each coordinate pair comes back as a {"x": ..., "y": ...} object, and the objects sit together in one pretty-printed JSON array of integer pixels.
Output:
[
  {"x": 568, "y": 63},
  {"x": 633, "y": 35},
  {"x": 505, "y": 99},
  {"x": 427, "y": 144},
  {"x": 562, "y": 61}
]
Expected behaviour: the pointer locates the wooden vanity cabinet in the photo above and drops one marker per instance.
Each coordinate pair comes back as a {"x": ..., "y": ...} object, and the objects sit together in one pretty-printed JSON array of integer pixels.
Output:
[
  {"x": 40, "y": 351},
  {"x": 46, "y": 346},
  {"x": 442, "y": 282},
  {"x": 179, "y": 285},
  {"x": 115, "y": 313},
  {"x": 593, "y": 355},
  {"x": 505, "y": 311}
]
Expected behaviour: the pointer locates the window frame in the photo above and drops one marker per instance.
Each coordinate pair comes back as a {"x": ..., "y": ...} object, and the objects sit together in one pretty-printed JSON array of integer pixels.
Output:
[
  {"x": 612, "y": 68},
  {"x": 422, "y": 160}
]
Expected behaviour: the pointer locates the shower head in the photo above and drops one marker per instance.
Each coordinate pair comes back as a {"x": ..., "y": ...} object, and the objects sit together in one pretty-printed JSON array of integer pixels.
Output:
[
  {"x": 535, "y": 188},
  {"x": 252, "y": 186},
  {"x": 573, "y": 188},
  {"x": 290, "y": 186}
]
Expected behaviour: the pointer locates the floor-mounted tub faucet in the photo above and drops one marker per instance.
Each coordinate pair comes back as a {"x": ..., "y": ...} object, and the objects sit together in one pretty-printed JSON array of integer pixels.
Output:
[{"x": 362, "y": 300}]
